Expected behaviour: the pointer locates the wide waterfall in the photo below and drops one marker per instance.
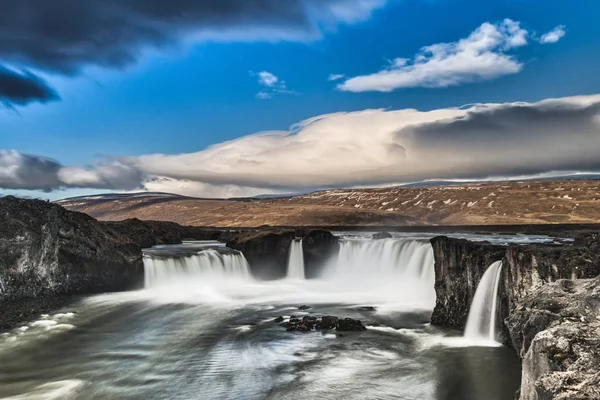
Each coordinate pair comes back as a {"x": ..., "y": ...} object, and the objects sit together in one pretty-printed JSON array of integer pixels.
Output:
[
  {"x": 386, "y": 257},
  {"x": 399, "y": 270},
  {"x": 296, "y": 260},
  {"x": 481, "y": 324},
  {"x": 207, "y": 264}
]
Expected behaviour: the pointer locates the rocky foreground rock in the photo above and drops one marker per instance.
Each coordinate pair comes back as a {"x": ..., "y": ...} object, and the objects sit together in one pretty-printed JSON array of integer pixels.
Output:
[
  {"x": 556, "y": 330},
  {"x": 47, "y": 253},
  {"x": 310, "y": 323}
]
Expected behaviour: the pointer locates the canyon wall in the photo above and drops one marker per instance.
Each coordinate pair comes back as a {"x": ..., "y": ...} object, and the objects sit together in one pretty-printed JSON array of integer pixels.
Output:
[{"x": 549, "y": 308}]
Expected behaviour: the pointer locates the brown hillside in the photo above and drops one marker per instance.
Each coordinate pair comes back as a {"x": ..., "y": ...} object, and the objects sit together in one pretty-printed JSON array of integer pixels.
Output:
[{"x": 531, "y": 202}]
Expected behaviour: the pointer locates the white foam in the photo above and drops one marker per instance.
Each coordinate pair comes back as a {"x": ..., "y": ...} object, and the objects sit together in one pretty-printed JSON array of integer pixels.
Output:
[
  {"x": 426, "y": 340},
  {"x": 243, "y": 328},
  {"x": 59, "y": 390}
]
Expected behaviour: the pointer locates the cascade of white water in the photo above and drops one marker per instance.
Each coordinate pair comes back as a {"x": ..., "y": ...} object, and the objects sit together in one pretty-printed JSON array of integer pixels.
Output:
[
  {"x": 208, "y": 264},
  {"x": 406, "y": 257},
  {"x": 296, "y": 260},
  {"x": 399, "y": 269},
  {"x": 481, "y": 324}
]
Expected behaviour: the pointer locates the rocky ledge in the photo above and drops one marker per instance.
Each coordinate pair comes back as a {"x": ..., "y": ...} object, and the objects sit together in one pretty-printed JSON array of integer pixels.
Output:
[
  {"x": 267, "y": 252},
  {"x": 48, "y": 254},
  {"x": 556, "y": 331},
  {"x": 549, "y": 308}
]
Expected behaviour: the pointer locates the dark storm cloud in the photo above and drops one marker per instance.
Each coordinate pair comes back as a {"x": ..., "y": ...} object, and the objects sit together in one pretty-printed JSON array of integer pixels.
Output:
[
  {"x": 63, "y": 36},
  {"x": 23, "y": 88},
  {"x": 512, "y": 124},
  {"x": 33, "y": 172},
  {"x": 23, "y": 171}
]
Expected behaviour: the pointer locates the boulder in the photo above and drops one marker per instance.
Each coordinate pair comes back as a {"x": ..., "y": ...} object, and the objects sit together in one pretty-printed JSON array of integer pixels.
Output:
[
  {"x": 382, "y": 235},
  {"x": 350, "y": 325},
  {"x": 310, "y": 323}
]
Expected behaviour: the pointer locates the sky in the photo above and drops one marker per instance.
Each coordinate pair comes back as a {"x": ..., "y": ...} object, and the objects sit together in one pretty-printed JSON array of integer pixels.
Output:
[{"x": 231, "y": 98}]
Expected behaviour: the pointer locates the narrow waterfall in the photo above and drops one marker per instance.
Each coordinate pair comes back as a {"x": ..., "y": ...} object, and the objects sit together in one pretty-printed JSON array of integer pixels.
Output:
[
  {"x": 481, "y": 324},
  {"x": 296, "y": 260},
  {"x": 207, "y": 264}
]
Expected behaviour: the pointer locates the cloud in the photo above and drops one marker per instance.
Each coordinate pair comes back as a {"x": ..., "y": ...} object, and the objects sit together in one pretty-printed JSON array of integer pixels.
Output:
[
  {"x": 336, "y": 77},
  {"x": 267, "y": 79},
  {"x": 199, "y": 189},
  {"x": 271, "y": 85},
  {"x": 381, "y": 147},
  {"x": 22, "y": 171},
  {"x": 111, "y": 174},
  {"x": 483, "y": 55},
  {"x": 65, "y": 36},
  {"x": 33, "y": 172},
  {"x": 20, "y": 88},
  {"x": 554, "y": 35},
  {"x": 363, "y": 148}
]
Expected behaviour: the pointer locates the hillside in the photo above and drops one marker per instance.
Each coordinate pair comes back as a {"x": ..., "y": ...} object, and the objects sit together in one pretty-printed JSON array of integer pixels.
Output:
[{"x": 530, "y": 202}]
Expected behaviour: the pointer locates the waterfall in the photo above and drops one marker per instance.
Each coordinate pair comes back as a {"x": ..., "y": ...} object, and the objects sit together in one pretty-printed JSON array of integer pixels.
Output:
[
  {"x": 399, "y": 270},
  {"x": 481, "y": 324},
  {"x": 407, "y": 257},
  {"x": 296, "y": 260},
  {"x": 209, "y": 264}
]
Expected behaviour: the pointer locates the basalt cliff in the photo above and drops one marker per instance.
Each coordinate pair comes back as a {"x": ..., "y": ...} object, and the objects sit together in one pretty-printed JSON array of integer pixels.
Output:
[
  {"x": 47, "y": 253},
  {"x": 549, "y": 308}
]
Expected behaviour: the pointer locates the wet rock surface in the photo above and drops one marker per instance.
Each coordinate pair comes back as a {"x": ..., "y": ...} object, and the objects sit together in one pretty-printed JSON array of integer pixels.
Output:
[{"x": 310, "y": 323}]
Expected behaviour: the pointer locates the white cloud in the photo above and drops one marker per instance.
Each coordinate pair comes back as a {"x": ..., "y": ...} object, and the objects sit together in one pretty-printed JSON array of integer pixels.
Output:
[
  {"x": 363, "y": 148},
  {"x": 481, "y": 56},
  {"x": 263, "y": 95},
  {"x": 377, "y": 147},
  {"x": 336, "y": 77},
  {"x": 554, "y": 35},
  {"x": 198, "y": 189},
  {"x": 267, "y": 79},
  {"x": 271, "y": 85}
]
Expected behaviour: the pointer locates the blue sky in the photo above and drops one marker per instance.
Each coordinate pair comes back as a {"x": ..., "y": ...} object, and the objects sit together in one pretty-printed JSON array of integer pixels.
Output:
[{"x": 194, "y": 92}]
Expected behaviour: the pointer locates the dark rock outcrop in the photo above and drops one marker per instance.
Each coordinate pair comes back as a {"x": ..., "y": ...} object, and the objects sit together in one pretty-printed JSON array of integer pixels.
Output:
[
  {"x": 319, "y": 247},
  {"x": 382, "y": 235},
  {"x": 459, "y": 266},
  {"x": 267, "y": 251},
  {"x": 556, "y": 330},
  {"x": 310, "y": 323},
  {"x": 48, "y": 253}
]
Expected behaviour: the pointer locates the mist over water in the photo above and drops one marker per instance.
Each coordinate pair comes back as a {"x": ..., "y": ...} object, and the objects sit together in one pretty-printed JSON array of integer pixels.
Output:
[{"x": 203, "y": 328}]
